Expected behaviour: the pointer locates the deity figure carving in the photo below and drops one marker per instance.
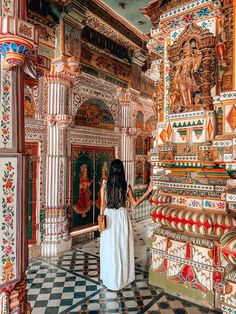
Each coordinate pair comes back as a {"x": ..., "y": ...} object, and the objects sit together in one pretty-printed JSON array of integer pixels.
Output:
[
  {"x": 185, "y": 81},
  {"x": 193, "y": 68}
]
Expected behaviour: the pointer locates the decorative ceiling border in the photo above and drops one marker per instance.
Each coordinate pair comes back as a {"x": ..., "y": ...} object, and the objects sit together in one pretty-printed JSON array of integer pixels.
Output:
[
  {"x": 116, "y": 24},
  {"x": 105, "y": 29}
]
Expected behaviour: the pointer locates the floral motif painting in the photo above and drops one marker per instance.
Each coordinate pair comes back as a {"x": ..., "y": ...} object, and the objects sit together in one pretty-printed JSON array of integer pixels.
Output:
[
  {"x": 5, "y": 111},
  {"x": 72, "y": 40},
  {"x": 8, "y": 193}
]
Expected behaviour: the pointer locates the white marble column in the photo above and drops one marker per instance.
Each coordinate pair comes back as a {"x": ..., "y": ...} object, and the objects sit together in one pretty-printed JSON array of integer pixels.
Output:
[
  {"x": 56, "y": 237},
  {"x": 126, "y": 140}
]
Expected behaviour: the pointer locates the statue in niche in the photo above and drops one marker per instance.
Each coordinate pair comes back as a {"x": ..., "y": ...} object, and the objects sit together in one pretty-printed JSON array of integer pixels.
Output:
[
  {"x": 192, "y": 70},
  {"x": 186, "y": 79}
]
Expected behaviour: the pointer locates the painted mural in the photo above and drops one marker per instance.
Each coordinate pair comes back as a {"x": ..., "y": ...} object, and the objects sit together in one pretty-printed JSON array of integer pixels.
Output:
[
  {"x": 94, "y": 113},
  {"x": 72, "y": 40},
  {"x": 32, "y": 150},
  {"x": 150, "y": 124},
  {"x": 89, "y": 168},
  {"x": 139, "y": 124},
  {"x": 139, "y": 145},
  {"x": 106, "y": 63},
  {"x": 29, "y": 104}
]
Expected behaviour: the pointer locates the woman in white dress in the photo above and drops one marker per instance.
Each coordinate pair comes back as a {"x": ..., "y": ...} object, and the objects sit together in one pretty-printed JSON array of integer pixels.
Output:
[{"x": 116, "y": 242}]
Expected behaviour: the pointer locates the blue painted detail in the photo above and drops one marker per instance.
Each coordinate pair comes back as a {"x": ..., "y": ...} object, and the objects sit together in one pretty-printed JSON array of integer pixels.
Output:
[
  {"x": 6, "y": 46},
  {"x": 203, "y": 12},
  {"x": 21, "y": 48},
  {"x": 14, "y": 47},
  {"x": 26, "y": 52}
]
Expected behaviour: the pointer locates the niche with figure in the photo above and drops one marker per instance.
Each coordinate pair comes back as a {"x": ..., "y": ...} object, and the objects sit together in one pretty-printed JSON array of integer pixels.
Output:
[{"x": 192, "y": 70}]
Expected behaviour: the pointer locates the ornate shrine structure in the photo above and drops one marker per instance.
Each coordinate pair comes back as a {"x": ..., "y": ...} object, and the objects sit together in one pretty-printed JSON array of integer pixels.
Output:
[{"x": 194, "y": 205}]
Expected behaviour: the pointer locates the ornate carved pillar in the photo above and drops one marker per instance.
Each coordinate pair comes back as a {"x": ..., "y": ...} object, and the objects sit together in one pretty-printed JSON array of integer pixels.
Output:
[
  {"x": 126, "y": 140},
  {"x": 17, "y": 41},
  {"x": 56, "y": 238}
]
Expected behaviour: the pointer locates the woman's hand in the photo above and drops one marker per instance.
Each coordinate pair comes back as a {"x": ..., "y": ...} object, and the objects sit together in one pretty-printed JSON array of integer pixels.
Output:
[{"x": 150, "y": 187}]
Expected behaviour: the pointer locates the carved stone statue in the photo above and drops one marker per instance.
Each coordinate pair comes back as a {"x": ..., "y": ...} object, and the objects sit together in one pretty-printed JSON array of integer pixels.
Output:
[{"x": 184, "y": 83}]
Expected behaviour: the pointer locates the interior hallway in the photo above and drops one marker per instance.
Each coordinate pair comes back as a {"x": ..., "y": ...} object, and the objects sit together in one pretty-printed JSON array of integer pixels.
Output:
[{"x": 70, "y": 284}]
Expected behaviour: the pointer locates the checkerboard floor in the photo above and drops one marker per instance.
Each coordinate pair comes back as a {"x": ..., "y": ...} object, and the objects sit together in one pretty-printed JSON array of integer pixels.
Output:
[{"x": 70, "y": 284}]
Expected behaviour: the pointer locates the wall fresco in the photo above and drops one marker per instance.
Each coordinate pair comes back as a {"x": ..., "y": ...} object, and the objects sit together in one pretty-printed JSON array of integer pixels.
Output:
[
  {"x": 94, "y": 113},
  {"x": 89, "y": 167}
]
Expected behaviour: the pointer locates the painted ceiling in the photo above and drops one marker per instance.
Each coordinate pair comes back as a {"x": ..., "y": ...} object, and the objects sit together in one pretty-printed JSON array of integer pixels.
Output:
[{"x": 131, "y": 11}]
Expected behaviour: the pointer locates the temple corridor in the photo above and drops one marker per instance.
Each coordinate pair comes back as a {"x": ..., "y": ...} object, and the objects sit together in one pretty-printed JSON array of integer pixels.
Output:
[{"x": 70, "y": 284}]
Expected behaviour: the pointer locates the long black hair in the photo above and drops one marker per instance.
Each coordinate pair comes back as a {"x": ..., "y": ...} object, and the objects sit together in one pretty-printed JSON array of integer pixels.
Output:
[{"x": 116, "y": 185}]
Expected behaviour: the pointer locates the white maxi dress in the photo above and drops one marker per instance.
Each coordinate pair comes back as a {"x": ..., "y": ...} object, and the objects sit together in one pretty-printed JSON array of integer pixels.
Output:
[{"x": 117, "y": 250}]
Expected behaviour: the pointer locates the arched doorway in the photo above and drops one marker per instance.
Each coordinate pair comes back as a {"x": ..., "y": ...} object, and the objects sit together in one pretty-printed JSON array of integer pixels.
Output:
[{"x": 90, "y": 164}]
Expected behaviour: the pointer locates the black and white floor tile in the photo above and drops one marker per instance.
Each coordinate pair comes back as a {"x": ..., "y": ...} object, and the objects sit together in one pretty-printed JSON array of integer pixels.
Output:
[{"x": 70, "y": 284}]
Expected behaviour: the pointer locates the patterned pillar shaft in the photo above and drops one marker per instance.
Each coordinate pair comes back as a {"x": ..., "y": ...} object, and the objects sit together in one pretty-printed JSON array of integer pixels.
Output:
[
  {"x": 17, "y": 41},
  {"x": 126, "y": 141},
  {"x": 56, "y": 238}
]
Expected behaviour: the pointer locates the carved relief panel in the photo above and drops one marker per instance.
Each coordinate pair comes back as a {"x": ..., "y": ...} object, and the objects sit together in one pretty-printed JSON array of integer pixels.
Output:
[{"x": 192, "y": 73}]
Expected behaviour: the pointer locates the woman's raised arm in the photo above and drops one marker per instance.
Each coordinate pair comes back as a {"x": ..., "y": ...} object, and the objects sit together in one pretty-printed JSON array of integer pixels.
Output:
[{"x": 135, "y": 202}]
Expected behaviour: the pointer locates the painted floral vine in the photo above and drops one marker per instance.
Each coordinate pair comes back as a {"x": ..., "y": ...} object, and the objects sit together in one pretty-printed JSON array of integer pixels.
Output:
[
  {"x": 5, "y": 122},
  {"x": 7, "y": 7},
  {"x": 8, "y": 239}
]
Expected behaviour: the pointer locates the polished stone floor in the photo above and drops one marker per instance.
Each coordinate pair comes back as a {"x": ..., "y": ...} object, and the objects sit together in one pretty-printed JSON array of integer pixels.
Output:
[{"x": 70, "y": 284}]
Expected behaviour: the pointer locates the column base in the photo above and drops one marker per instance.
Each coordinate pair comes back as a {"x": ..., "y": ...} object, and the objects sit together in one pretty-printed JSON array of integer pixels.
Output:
[{"x": 49, "y": 249}]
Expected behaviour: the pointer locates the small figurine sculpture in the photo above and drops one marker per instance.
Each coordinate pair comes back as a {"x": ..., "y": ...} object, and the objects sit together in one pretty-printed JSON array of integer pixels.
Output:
[{"x": 184, "y": 80}]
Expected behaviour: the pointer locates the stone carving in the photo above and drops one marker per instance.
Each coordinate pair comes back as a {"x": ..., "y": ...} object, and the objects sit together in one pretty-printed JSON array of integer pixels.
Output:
[
  {"x": 227, "y": 39},
  {"x": 192, "y": 59},
  {"x": 185, "y": 83}
]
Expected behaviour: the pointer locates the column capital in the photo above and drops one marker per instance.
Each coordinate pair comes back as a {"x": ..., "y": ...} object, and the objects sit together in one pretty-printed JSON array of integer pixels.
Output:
[
  {"x": 18, "y": 39},
  {"x": 125, "y": 96},
  {"x": 134, "y": 132},
  {"x": 64, "y": 70},
  {"x": 63, "y": 119}
]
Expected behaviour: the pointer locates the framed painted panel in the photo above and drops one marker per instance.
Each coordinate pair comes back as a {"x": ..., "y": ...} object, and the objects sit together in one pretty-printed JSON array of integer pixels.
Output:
[
  {"x": 103, "y": 159},
  {"x": 72, "y": 40},
  {"x": 89, "y": 167},
  {"x": 12, "y": 218},
  {"x": 82, "y": 187},
  {"x": 32, "y": 150}
]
